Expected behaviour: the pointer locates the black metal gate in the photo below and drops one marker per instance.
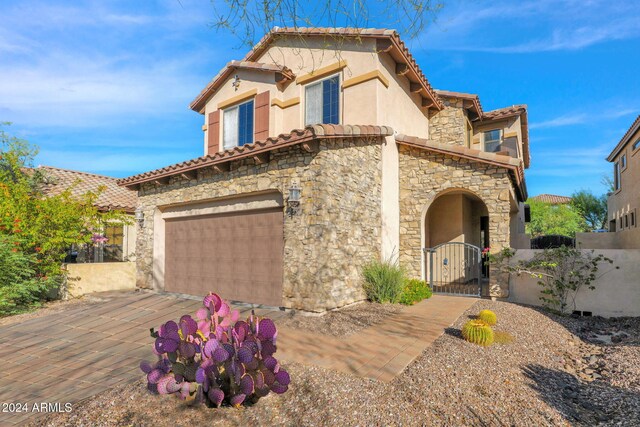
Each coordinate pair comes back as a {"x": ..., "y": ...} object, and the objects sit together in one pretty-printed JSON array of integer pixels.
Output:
[{"x": 455, "y": 268}]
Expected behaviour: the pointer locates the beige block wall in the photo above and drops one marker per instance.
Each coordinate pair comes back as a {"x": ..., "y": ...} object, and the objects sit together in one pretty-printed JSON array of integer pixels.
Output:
[
  {"x": 425, "y": 176},
  {"x": 626, "y": 239},
  {"x": 616, "y": 293},
  {"x": 86, "y": 278},
  {"x": 337, "y": 231}
]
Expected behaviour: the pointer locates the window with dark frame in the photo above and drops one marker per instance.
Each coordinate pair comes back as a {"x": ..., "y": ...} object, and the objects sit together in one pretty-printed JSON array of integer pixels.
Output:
[
  {"x": 636, "y": 144},
  {"x": 623, "y": 161},
  {"x": 616, "y": 176},
  {"x": 633, "y": 219},
  {"x": 238, "y": 125},
  {"x": 322, "y": 102},
  {"x": 626, "y": 221}
]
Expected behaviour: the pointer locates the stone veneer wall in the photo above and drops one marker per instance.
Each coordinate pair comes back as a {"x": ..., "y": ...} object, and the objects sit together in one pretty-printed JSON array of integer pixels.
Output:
[
  {"x": 337, "y": 231},
  {"x": 424, "y": 175},
  {"x": 448, "y": 125}
]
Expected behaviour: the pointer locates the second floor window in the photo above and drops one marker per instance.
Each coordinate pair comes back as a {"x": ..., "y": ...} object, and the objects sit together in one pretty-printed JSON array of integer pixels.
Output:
[
  {"x": 322, "y": 102},
  {"x": 616, "y": 176},
  {"x": 492, "y": 140},
  {"x": 238, "y": 125},
  {"x": 623, "y": 161},
  {"x": 635, "y": 144}
]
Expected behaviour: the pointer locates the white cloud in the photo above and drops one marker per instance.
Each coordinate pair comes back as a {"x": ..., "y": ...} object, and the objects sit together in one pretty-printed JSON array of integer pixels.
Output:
[
  {"x": 558, "y": 25},
  {"x": 583, "y": 118}
]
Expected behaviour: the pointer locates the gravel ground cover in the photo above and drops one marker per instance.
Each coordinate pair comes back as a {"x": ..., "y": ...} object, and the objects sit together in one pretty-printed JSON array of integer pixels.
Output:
[
  {"x": 342, "y": 322},
  {"x": 533, "y": 381}
]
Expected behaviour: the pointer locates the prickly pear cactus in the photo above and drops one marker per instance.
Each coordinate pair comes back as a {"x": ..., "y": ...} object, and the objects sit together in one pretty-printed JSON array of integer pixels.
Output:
[
  {"x": 216, "y": 358},
  {"x": 488, "y": 317},
  {"x": 478, "y": 332}
]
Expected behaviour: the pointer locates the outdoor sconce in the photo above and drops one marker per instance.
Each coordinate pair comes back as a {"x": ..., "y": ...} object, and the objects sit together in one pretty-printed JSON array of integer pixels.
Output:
[
  {"x": 139, "y": 216},
  {"x": 293, "y": 202}
]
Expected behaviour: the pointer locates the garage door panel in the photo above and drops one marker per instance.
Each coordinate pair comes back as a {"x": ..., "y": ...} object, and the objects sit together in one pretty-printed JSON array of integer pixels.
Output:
[{"x": 239, "y": 255}]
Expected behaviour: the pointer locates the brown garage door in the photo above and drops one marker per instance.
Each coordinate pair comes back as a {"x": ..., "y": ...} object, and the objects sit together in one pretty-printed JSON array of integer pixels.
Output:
[{"x": 239, "y": 255}]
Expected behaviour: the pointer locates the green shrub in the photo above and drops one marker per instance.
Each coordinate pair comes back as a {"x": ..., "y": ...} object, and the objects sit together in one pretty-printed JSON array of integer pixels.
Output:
[
  {"x": 488, "y": 317},
  {"x": 383, "y": 281},
  {"x": 20, "y": 287},
  {"x": 415, "y": 291}
]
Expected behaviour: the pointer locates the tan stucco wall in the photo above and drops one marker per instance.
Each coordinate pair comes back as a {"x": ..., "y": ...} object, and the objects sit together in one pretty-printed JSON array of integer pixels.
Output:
[
  {"x": 370, "y": 102},
  {"x": 627, "y": 198},
  {"x": 325, "y": 246},
  {"x": 86, "y": 278},
  {"x": 424, "y": 176},
  {"x": 616, "y": 293}
]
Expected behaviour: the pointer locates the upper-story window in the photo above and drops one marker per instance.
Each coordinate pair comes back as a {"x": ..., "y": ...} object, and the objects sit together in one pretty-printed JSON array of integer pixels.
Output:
[
  {"x": 492, "y": 140},
  {"x": 623, "y": 162},
  {"x": 322, "y": 102},
  {"x": 636, "y": 144},
  {"x": 616, "y": 176},
  {"x": 237, "y": 126}
]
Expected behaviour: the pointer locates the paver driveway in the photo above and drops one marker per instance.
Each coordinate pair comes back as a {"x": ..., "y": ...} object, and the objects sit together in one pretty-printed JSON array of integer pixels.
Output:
[{"x": 73, "y": 354}]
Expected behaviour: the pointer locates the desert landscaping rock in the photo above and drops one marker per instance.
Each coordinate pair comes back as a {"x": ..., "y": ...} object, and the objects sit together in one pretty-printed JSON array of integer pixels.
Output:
[{"x": 453, "y": 383}]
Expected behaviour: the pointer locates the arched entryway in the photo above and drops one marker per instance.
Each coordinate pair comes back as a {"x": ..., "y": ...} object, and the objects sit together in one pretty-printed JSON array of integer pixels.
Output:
[{"x": 455, "y": 230}]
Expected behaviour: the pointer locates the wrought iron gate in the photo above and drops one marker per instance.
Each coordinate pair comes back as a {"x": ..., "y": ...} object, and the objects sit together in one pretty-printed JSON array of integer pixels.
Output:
[{"x": 455, "y": 268}]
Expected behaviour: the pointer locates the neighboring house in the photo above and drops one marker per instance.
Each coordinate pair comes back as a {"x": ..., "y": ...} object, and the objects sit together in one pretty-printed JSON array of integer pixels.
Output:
[
  {"x": 325, "y": 149},
  {"x": 552, "y": 199},
  {"x": 121, "y": 238},
  {"x": 624, "y": 202}
]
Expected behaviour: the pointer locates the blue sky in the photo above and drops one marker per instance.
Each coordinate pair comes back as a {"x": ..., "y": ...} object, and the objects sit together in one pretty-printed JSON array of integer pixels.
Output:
[{"x": 104, "y": 86}]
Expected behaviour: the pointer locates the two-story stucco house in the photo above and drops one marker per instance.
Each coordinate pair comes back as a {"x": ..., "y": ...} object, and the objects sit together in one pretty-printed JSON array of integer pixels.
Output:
[
  {"x": 624, "y": 202},
  {"x": 324, "y": 149}
]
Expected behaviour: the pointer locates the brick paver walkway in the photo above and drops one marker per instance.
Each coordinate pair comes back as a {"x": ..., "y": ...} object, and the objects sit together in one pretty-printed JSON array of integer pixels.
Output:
[
  {"x": 70, "y": 355},
  {"x": 380, "y": 352}
]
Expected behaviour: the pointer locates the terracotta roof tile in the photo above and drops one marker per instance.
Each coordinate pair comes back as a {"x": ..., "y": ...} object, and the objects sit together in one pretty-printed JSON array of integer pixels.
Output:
[
  {"x": 461, "y": 95},
  {"x": 508, "y": 162},
  {"x": 552, "y": 199},
  {"x": 297, "y": 136},
  {"x": 113, "y": 197},
  {"x": 389, "y": 34},
  {"x": 625, "y": 139}
]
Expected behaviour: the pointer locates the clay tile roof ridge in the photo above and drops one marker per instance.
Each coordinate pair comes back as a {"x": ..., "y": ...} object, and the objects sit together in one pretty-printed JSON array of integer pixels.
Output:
[{"x": 310, "y": 131}]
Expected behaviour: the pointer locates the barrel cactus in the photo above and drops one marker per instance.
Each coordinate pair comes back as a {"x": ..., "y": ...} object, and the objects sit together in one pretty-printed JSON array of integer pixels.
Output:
[
  {"x": 478, "y": 332},
  {"x": 488, "y": 317},
  {"x": 216, "y": 358}
]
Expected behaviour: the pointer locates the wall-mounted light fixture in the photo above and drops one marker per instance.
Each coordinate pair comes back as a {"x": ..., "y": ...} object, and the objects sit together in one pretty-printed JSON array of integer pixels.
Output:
[
  {"x": 293, "y": 201},
  {"x": 139, "y": 216},
  {"x": 236, "y": 82}
]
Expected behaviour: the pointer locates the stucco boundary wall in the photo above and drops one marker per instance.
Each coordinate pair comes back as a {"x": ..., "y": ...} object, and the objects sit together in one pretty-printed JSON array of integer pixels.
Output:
[
  {"x": 616, "y": 293},
  {"x": 625, "y": 239},
  {"x": 86, "y": 278}
]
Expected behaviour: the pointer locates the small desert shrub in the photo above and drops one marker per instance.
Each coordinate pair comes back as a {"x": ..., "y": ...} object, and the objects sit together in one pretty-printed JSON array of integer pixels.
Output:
[
  {"x": 478, "y": 332},
  {"x": 500, "y": 337},
  {"x": 415, "y": 291},
  {"x": 488, "y": 317},
  {"x": 216, "y": 357},
  {"x": 20, "y": 286},
  {"x": 383, "y": 281}
]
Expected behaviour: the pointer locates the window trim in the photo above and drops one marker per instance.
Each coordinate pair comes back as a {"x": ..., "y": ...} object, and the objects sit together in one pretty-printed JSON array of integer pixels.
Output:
[
  {"x": 253, "y": 124},
  {"x": 626, "y": 162},
  {"x": 317, "y": 82},
  {"x": 635, "y": 147}
]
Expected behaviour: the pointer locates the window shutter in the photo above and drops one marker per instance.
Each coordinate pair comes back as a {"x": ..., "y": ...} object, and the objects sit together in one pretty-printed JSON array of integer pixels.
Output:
[
  {"x": 261, "y": 131},
  {"x": 213, "y": 132}
]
